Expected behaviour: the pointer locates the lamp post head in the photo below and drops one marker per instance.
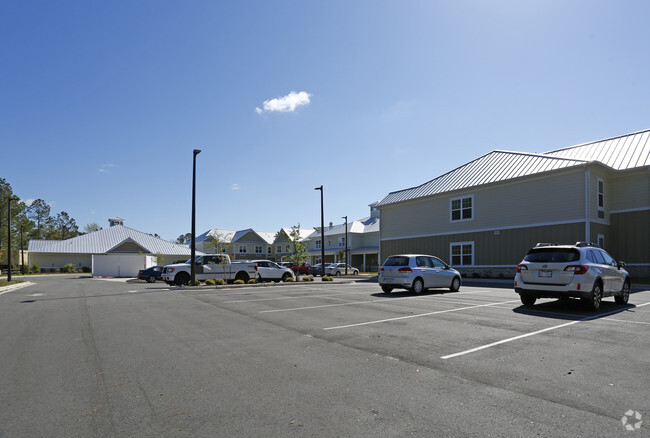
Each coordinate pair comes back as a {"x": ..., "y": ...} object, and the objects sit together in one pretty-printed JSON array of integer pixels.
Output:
[
  {"x": 197, "y": 152},
  {"x": 319, "y": 188}
]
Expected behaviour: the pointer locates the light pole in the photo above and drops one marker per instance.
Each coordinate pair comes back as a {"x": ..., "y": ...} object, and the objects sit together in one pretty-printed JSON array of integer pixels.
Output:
[
  {"x": 346, "y": 244},
  {"x": 322, "y": 234},
  {"x": 22, "y": 256},
  {"x": 193, "y": 249},
  {"x": 9, "y": 199}
]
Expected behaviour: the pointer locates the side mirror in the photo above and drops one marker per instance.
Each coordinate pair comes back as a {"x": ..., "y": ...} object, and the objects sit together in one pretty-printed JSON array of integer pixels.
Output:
[{"x": 621, "y": 265}]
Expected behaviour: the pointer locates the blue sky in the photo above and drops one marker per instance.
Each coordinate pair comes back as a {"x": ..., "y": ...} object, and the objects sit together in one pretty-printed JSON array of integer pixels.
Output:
[{"x": 104, "y": 101}]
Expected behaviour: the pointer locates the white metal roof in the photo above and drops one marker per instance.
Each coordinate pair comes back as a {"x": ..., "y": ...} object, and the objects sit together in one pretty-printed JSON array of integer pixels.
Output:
[
  {"x": 104, "y": 240},
  {"x": 620, "y": 153}
]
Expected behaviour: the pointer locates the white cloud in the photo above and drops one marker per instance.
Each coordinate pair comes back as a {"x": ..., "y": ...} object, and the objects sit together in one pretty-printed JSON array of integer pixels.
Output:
[
  {"x": 106, "y": 168},
  {"x": 234, "y": 187},
  {"x": 285, "y": 104}
]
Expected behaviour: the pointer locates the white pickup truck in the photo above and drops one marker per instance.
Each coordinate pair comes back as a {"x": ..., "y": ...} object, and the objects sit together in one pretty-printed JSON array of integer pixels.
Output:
[{"x": 210, "y": 267}]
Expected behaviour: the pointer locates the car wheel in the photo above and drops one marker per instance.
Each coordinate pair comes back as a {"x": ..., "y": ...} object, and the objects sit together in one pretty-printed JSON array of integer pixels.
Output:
[
  {"x": 151, "y": 279},
  {"x": 625, "y": 294},
  {"x": 418, "y": 286},
  {"x": 181, "y": 278},
  {"x": 455, "y": 284},
  {"x": 355, "y": 272},
  {"x": 338, "y": 273},
  {"x": 285, "y": 276},
  {"x": 242, "y": 276},
  {"x": 387, "y": 289},
  {"x": 528, "y": 300},
  {"x": 592, "y": 302}
]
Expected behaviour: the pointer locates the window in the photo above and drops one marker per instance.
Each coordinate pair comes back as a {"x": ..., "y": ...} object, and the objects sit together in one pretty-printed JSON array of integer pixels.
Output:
[
  {"x": 258, "y": 249},
  {"x": 461, "y": 209},
  {"x": 268, "y": 250},
  {"x": 601, "y": 198},
  {"x": 318, "y": 244},
  {"x": 601, "y": 241},
  {"x": 341, "y": 241},
  {"x": 279, "y": 249},
  {"x": 288, "y": 248},
  {"x": 462, "y": 253},
  {"x": 242, "y": 249}
]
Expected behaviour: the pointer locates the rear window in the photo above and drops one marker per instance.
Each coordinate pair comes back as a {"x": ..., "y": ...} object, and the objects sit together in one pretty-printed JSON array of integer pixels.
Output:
[
  {"x": 552, "y": 255},
  {"x": 397, "y": 261}
]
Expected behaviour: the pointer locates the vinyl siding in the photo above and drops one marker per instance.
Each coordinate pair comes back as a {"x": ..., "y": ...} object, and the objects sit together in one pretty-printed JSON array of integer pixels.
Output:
[
  {"x": 629, "y": 239},
  {"x": 558, "y": 196},
  {"x": 491, "y": 248},
  {"x": 630, "y": 191}
]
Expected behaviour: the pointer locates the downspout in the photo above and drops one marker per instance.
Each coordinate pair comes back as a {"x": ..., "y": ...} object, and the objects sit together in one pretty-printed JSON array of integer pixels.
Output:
[{"x": 587, "y": 221}]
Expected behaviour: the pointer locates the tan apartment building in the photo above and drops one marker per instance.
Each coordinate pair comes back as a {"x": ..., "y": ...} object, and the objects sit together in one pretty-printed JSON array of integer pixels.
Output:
[{"x": 484, "y": 216}]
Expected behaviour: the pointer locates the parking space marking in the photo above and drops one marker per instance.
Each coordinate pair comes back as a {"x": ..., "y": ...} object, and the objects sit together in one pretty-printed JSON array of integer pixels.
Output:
[
  {"x": 293, "y": 297},
  {"x": 622, "y": 320},
  {"x": 418, "y": 316},
  {"x": 526, "y": 335},
  {"x": 339, "y": 304}
]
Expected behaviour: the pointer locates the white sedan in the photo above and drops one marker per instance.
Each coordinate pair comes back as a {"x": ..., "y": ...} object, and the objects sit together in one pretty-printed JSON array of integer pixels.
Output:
[
  {"x": 339, "y": 269},
  {"x": 271, "y": 271}
]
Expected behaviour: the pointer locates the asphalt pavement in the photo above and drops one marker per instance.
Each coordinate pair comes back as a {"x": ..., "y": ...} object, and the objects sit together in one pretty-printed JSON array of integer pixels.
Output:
[{"x": 83, "y": 357}]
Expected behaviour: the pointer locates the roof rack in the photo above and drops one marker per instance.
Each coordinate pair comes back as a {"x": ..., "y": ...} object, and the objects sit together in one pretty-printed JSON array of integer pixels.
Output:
[
  {"x": 546, "y": 244},
  {"x": 583, "y": 244}
]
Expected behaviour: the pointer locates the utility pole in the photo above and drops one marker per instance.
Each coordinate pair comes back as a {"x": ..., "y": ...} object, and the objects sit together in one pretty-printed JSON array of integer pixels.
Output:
[
  {"x": 193, "y": 249},
  {"x": 346, "y": 244},
  {"x": 322, "y": 233}
]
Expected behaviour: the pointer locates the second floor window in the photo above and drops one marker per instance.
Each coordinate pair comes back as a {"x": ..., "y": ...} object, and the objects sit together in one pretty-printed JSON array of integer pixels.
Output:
[
  {"x": 242, "y": 249},
  {"x": 258, "y": 249},
  {"x": 318, "y": 244},
  {"x": 461, "y": 208}
]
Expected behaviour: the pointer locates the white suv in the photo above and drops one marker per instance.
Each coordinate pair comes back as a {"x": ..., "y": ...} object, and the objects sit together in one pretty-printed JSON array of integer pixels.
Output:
[{"x": 582, "y": 271}]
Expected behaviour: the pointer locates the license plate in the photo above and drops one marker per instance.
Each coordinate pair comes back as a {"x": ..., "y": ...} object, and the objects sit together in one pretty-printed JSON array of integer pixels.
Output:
[
  {"x": 388, "y": 280},
  {"x": 545, "y": 274}
]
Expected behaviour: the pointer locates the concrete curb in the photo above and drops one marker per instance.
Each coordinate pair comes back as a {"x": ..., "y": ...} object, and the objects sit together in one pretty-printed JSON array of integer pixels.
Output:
[{"x": 12, "y": 287}]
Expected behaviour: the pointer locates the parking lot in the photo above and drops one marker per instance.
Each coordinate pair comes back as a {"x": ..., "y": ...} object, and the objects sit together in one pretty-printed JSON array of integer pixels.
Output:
[{"x": 346, "y": 359}]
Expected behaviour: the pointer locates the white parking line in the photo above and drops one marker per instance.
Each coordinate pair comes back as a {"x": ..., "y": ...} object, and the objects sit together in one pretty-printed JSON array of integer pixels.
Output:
[
  {"x": 419, "y": 315},
  {"x": 514, "y": 338},
  {"x": 340, "y": 304}
]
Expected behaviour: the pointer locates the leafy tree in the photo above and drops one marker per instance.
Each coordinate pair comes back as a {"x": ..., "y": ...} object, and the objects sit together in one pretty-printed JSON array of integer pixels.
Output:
[
  {"x": 17, "y": 218},
  {"x": 184, "y": 238},
  {"x": 299, "y": 254},
  {"x": 63, "y": 227},
  {"x": 219, "y": 243},
  {"x": 92, "y": 227},
  {"x": 39, "y": 213}
]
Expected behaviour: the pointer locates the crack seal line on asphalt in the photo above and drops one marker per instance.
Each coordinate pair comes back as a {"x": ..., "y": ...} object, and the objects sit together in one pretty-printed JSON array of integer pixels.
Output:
[
  {"x": 417, "y": 316},
  {"x": 514, "y": 338}
]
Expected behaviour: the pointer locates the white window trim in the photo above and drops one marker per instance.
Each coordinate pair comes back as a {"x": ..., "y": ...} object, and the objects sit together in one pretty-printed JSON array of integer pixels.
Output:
[
  {"x": 452, "y": 244},
  {"x": 460, "y": 198},
  {"x": 598, "y": 193},
  {"x": 242, "y": 247},
  {"x": 599, "y": 238}
]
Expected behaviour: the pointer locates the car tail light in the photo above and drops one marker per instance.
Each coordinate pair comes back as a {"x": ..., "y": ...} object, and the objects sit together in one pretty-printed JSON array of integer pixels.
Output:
[
  {"x": 577, "y": 269},
  {"x": 407, "y": 269},
  {"x": 521, "y": 267},
  {"x": 381, "y": 269}
]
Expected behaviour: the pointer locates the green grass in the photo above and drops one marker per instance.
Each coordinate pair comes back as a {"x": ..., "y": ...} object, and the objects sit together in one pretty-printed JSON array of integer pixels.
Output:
[{"x": 4, "y": 282}]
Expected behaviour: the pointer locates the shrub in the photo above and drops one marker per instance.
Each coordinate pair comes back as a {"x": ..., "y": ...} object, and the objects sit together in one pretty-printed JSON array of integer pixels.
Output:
[
  {"x": 35, "y": 269},
  {"x": 210, "y": 282},
  {"x": 195, "y": 283},
  {"x": 238, "y": 282},
  {"x": 219, "y": 281},
  {"x": 307, "y": 278},
  {"x": 289, "y": 280},
  {"x": 69, "y": 267},
  {"x": 252, "y": 281},
  {"x": 327, "y": 278}
]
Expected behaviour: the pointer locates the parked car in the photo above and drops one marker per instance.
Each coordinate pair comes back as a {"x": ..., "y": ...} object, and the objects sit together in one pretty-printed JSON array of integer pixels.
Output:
[
  {"x": 302, "y": 269},
  {"x": 315, "y": 269},
  {"x": 582, "y": 271},
  {"x": 339, "y": 269},
  {"x": 210, "y": 267},
  {"x": 271, "y": 271},
  {"x": 417, "y": 272},
  {"x": 150, "y": 274}
]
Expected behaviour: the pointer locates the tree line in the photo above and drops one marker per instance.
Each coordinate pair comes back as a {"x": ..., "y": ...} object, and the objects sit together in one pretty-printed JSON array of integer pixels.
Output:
[{"x": 33, "y": 221}]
